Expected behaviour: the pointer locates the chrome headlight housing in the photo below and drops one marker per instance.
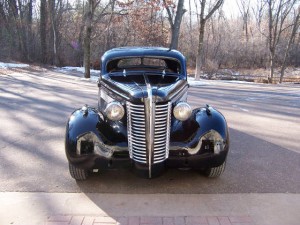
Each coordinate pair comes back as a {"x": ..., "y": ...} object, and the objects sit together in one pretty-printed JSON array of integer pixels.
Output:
[
  {"x": 114, "y": 111},
  {"x": 182, "y": 111}
]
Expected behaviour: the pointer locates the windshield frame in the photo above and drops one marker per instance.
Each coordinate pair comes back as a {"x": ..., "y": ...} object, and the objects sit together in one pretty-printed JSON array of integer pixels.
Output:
[{"x": 117, "y": 54}]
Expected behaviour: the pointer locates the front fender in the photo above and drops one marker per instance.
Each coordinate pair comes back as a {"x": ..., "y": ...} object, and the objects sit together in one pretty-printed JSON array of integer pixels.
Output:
[
  {"x": 211, "y": 119},
  {"x": 188, "y": 135},
  {"x": 90, "y": 136}
]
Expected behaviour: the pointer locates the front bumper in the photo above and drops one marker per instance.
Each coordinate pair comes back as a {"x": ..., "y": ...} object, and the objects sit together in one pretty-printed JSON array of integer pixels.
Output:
[{"x": 177, "y": 159}]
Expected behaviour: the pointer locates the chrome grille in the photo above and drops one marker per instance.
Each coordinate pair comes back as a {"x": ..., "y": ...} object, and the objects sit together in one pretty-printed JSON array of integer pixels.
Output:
[{"x": 137, "y": 133}]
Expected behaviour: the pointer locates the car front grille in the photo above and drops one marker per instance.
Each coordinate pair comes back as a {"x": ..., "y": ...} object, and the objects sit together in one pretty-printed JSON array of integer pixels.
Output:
[{"x": 137, "y": 138}]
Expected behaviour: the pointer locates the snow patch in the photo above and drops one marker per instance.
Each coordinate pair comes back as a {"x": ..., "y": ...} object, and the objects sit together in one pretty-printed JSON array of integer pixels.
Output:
[
  {"x": 239, "y": 82},
  {"x": 92, "y": 79},
  {"x": 78, "y": 69},
  {"x": 194, "y": 83},
  {"x": 12, "y": 65},
  {"x": 94, "y": 73}
]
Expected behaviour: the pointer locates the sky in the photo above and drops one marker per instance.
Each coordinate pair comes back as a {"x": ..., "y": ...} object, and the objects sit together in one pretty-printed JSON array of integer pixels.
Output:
[{"x": 230, "y": 8}]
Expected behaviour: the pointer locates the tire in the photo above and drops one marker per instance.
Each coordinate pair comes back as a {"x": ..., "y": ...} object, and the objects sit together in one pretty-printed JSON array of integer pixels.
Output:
[
  {"x": 215, "y": 171},
  {"x": 78, "y": 174}
]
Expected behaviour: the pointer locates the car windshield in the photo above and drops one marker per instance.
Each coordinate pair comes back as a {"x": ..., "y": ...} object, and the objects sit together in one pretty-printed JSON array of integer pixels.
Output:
[{"x": 145, "y": 64}]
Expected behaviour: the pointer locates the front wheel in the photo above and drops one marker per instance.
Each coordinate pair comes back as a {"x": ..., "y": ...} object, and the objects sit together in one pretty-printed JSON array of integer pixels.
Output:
[
  {"x": 77, "y": 173},
  {"x": 215, "y": 171}
]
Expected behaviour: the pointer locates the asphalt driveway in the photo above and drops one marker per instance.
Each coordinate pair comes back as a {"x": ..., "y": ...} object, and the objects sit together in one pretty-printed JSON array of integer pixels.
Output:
[{"x": 264, "y": 123}]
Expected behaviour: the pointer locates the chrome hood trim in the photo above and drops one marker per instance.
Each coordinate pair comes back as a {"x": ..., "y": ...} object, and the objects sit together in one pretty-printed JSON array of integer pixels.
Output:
[
  {"x": 134, "y": 92},
  {"x": 150, "y": 115}
]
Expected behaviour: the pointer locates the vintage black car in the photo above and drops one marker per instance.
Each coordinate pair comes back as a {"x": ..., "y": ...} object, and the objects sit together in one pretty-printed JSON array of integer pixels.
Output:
[{"x": 143, "y": 119}]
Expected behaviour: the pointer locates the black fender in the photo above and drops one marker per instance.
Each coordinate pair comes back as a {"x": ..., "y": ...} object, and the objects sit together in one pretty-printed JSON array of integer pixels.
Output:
[
  {"x": 88, "y": 127},
  {"x": 211, "y": 119},
  {"x": 187, "y": 138}
]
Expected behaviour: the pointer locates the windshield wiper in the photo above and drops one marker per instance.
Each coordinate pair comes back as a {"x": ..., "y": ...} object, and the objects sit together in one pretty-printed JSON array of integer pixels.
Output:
[{"x": 126, "y": 73}]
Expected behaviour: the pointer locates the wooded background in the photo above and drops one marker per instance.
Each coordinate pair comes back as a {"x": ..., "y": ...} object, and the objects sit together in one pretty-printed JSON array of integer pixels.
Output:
[{"x": 262, "y": 34}]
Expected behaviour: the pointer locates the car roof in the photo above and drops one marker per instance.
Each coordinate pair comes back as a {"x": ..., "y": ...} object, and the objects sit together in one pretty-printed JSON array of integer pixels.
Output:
[
  {"x": 159, "y": 52},
  {"x": 142, "y": 51}
]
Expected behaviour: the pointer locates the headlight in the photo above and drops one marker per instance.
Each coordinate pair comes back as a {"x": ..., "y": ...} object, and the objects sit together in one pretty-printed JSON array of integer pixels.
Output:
[
  {"x": 182, "y": 111},
  {"x": 114, "y": 111}
]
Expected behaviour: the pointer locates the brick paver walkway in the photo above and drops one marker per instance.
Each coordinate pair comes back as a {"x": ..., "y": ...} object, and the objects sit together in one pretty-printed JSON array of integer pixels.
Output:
[{"x": 187, "y": 220}]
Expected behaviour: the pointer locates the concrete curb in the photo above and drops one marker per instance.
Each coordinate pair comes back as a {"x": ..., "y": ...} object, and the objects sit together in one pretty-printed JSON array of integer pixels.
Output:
[
  {"x": 41, "y": 208},
  {"x": 151, "y": 220}
]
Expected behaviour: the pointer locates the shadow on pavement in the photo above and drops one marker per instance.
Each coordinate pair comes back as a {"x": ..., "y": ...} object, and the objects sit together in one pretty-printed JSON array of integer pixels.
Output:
[{"x": 250, "y": 169}]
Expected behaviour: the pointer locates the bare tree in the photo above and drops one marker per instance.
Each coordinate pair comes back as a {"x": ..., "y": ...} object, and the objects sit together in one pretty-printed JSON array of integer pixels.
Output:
[
  {"x": 244, "y": 8},
  {"x": 55, "y": 7},
  {"x": 88, "y": 18},
  {"x": 29, "y": 39},
  {"x": 205, "y": 14},
  {"x": 278, "y": 11},
  {"x": 88, "y": 25},
  {"x": 295, "y": 27},
  {"x": 175, "y": 20},
  {"x": 64, "y": 32},
  {"x": 43, "y": 30}
]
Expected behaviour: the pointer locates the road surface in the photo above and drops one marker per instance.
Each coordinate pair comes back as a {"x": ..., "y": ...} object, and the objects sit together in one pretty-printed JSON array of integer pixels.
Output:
[{"x": 264, "y": 122}]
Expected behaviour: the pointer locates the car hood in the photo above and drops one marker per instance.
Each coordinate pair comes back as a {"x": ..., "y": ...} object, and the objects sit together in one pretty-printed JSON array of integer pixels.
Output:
[{"x": 137, "y": 88}]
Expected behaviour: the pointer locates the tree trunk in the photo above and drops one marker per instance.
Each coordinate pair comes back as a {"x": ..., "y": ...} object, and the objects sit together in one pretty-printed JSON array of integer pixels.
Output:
[
  {"x": 271, "y": 75},
  {"x": 199, "y": 59},
  {"x": 29, "y": 39},
  {"x": 16, "y": 15},
  {"x": 271, "y": 41},
  {"x": 22, "y": 32},
  {"x": 53, "y": 42},
  {"x": 176, "y": 25},
  {"x": 87, "y": 52},
  {"x": 203, "y": 19},
  {"x": 43, "y": 30},
  {"x": 87, "y": 39}
]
